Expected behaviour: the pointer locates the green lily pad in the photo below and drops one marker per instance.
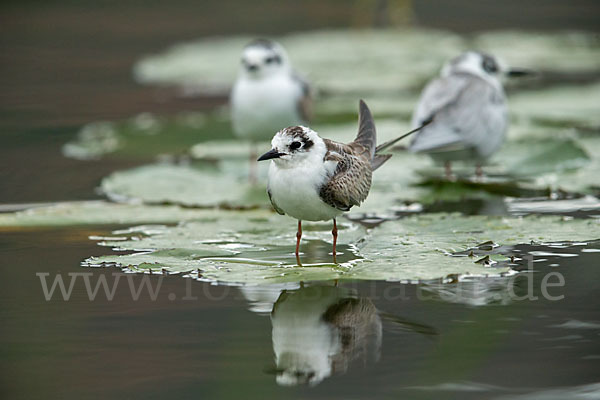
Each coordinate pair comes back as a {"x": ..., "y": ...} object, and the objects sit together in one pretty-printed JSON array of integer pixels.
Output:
[
  {"x": 563, "y": 51},
  {"x": 367, "y": 61},
  {"x": 547, "y": 156},
  {"x": 97, "y": 213},
  {"x": 352, "y": 61},
  {"x": 261, "y": 246},
  {"x": 526, "y": 167},
  {"x": 186, "y": 185},
  {"x": 146, "y": 136},
  {"x": 564, "y": 106}
]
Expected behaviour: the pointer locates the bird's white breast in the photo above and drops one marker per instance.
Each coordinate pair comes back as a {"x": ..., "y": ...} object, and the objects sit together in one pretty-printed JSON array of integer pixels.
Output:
[
  {"x": 261, "y": 107},
  {"x": 302, "y": 340},
  {"x": 296, "y": 190}
]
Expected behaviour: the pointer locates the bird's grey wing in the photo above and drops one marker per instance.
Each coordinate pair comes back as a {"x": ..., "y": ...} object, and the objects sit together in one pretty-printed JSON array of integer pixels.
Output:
[
  {"x": 350, "y": 182},
  {"x": 438, "y": 94},
  {"x": 465, "y": 110},
  {"x": 304, "y": 104},
  {"x": 279, "y": 210}
]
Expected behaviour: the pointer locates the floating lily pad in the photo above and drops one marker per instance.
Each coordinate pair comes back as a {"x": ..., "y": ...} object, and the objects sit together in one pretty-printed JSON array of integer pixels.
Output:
[
  {"x": 451, "y": 233},
  {"x": 97, "y": 213},
  {"x": 563, "y": 51},
  {"x": 186, "y": 185},
  {"x": 261, "y": 247},
  {"x": 588, "y": 204},
  {"x": 367, "y": 61},
  {"x": 523, "y": 168},
  {"x": 564, "y": 106},
  {"x": 146, "y": 136},
  {"x": 352, "y": 61}
]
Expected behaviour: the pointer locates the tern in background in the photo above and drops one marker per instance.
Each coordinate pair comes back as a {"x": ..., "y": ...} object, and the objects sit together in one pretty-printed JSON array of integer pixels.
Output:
[
  {"x": 267, "y": 96},
  {"x": 317, "y": 179},
  {"x": 468, "y": 108}
]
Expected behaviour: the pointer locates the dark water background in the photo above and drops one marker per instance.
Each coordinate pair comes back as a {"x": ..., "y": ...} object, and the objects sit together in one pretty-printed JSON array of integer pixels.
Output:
[{"x": 66, "y": 63}]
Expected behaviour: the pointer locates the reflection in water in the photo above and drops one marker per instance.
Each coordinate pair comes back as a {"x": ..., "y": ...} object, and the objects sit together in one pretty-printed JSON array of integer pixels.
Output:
[
  {"x": 320, "y": 330},
  {"x": 262, "y": 298},
  {"x": 314, "y": 253}
]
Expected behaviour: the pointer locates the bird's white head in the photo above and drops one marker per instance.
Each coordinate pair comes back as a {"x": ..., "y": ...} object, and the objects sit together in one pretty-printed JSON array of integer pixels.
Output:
[
  {"x": 295, "y": 146},
  {"x": 263, "y": 58},
  {"x": 482, "y": 65}
]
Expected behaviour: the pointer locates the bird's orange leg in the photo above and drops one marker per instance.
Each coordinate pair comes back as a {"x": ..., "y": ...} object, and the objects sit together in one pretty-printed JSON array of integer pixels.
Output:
[
  {"x": 298, "y": 237},
  {"x": 334, "y": 232},
  {"x": 448, "y": 169},
  {"x": 478, "y": 171}
]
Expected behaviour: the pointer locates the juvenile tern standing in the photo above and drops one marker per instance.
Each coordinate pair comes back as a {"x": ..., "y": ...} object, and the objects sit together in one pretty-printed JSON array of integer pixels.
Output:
[
  {"x": 317, "y": 179},
  {"x": 268, "y": 95},
  {"x": 468, "y": 108}
]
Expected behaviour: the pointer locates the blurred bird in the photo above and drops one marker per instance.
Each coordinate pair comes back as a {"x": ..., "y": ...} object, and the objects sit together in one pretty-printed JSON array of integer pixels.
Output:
[
  {"x": 468, "y": 108},
  {"x": 317, "y": 179},
  {"x": 268, "y": 95}
]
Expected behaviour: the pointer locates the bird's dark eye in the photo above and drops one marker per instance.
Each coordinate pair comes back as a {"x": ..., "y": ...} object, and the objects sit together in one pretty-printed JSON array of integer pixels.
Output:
[
  {"x": 489, "y": 65},
  {"x": 295, "y": 145},
  {"x": 272, "y": 60}
]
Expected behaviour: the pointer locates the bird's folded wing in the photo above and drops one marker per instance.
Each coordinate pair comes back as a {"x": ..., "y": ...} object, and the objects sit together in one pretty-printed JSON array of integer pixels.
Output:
[
  {"x": 279, "y": 210},
  {"x": 464, "y": 108},
  {"x": 350, "y": 182}
]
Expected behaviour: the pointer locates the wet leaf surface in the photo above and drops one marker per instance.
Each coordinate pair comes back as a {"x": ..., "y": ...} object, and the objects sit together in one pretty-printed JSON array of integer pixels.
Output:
[{"x": 256, "y": 247}]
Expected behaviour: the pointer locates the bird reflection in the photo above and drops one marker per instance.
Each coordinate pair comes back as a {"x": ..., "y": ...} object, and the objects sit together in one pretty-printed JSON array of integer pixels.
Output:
[{"x": 320, "y": 331}]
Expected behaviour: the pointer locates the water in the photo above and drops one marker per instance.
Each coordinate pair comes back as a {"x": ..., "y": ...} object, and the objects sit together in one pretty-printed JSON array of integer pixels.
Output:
[
  {"x": 214, "y": 346},
  {"x": 467, "y": 339}
]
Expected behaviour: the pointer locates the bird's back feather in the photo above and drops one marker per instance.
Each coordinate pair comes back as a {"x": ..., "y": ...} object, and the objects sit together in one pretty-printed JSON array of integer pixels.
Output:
[
  {"x": 468, "y": 113},
  {"x": 350, "y": 183}
]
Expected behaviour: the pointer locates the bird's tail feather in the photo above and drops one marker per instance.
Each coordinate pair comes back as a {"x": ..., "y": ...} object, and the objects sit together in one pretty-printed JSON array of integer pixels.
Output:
[
  {"x": 379, "y": 160},
  {"x": 366, "y": 129},
  {"x": 390, "y": 143}
]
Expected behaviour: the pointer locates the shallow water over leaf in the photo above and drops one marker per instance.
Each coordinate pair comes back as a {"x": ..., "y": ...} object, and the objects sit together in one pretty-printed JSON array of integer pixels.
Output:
[{"x": 256, "y": 247}]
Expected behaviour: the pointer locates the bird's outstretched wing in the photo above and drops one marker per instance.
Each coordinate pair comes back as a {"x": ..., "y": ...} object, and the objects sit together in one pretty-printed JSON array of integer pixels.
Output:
[
  {"x": 305, "y": 102},
  {"x": 463, "y": 107},
  {"x": 350, "y": 182}
]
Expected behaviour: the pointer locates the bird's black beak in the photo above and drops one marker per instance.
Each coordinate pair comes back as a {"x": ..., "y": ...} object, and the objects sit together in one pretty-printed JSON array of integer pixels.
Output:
[
  {"x": 273, "y": 153},
  {"x": 518, "y": 72}
]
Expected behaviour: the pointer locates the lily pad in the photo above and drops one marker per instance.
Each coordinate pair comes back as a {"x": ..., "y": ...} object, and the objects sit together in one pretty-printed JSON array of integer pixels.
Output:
[
  {"x": 525, "y": 167},
  {"x": 185, "y": 185},
  {"x": 563, "y": 106},
  {"x": 261, "y": 245},
  {"x": 563, "y": 51},
  {"x": 367, "y": 61},
  {"x": 146, "y": 136},
  {"x": 97, "y": 213},
  {"x": 352, "y": 61}
]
